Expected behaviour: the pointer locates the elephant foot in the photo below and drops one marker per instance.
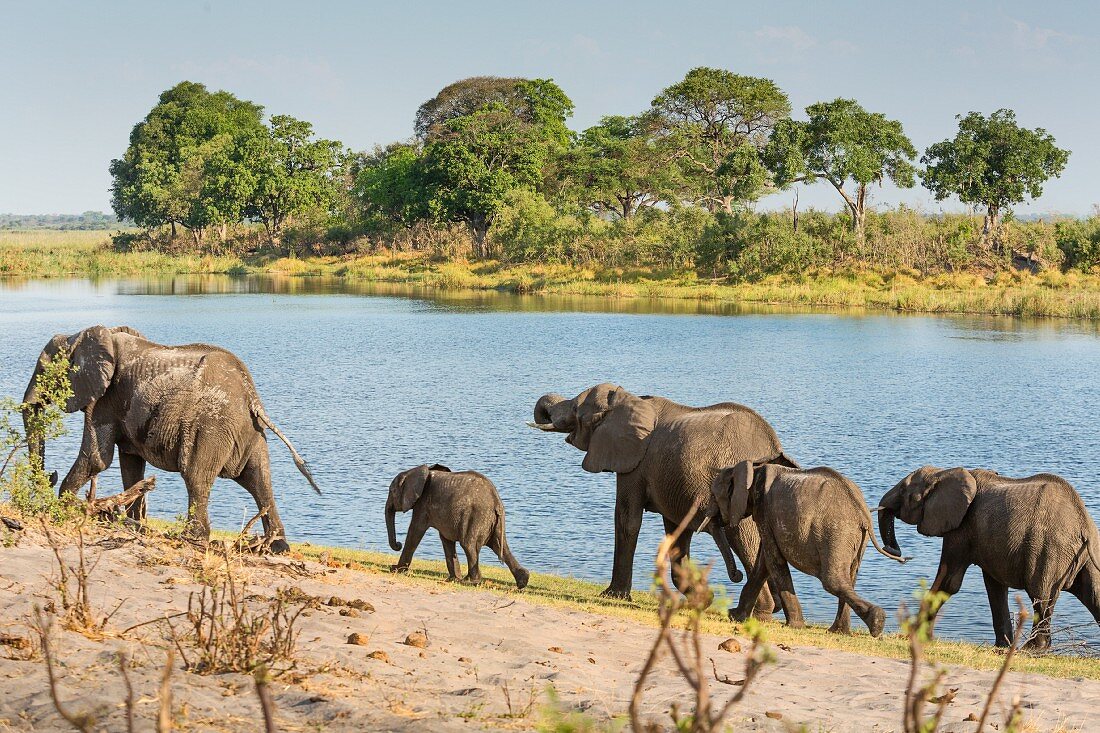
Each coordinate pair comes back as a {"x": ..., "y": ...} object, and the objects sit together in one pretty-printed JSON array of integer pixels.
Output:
[
  {"x": 796, "y": 623},
  {"x": 522, "y": 576},
  {"x": 764, "y": 617},
  {"x": 452, "y": 578},
  {"x": 876, "y": 621},
  {"x": 279, "y": 547},
  {"x": 471, "y": 581},
  {"x": 399, "y": 568},
  {"x": 611, "y": 592},
  {"x": 1036, "y": 645},
  {"x": 740, "y": 615},
  {"x": 842, "y": 629}
]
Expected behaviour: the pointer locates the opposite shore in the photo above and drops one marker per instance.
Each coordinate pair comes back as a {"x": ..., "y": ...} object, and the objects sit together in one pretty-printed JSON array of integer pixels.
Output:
[{"x": 1050, "y": 293}]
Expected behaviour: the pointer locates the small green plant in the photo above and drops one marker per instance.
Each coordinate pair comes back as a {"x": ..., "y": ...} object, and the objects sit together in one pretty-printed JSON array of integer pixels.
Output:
[{"x": 23, "y": 480}]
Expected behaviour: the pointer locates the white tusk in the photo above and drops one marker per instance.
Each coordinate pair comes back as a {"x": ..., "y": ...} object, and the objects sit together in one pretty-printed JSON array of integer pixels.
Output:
[
  {"x": 879, "y": 508},
  {"x": 703, "y": 525},
  {"x": 545, "y": 427}
]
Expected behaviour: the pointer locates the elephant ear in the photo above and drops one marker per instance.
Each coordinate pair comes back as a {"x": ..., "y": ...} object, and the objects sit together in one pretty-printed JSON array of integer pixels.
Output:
[
  {"x": 408, "y": 486},
  {"x": 947, "y": 501},
  {"x": 92, "y": 365},
  {"x": 720, "y": 489},
  {"x": 619, "y": 441},
  {"x": 129, "y": 330},
  {"x": 438, "y": 467},
  {"x": 738, "y": 507}
]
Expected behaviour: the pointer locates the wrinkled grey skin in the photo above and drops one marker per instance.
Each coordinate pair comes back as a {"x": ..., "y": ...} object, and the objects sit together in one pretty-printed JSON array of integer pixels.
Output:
[
  {"x": 814, "y": 519},
  {"x": 665, "y": 456},
  {"x": 463, "y": 506},
  {"x": 189, "y": 409},
  {"x": 1032, "y": 533}
]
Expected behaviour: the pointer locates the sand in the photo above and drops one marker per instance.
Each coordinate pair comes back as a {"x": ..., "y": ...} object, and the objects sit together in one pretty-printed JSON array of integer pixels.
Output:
[{"x": 489, "y": 661}]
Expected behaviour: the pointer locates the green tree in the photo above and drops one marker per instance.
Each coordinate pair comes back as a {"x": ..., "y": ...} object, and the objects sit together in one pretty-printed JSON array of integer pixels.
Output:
[
  {"x": 618, "y": 166},
  {"x": 992, "y": 162},
  {"x": 842, "y": 142},
  {"x": 473, "y": 160},
  {"x": 178, "y": 156},
  {"x": 717, "y": 122},
  {"x": 294, "y": 174},
  {"x": 391, "y": 184}
]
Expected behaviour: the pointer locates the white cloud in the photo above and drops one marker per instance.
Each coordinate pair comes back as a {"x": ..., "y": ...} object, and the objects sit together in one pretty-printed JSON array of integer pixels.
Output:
[
  {"x": 790, "y": 36},
  {"x": 1032, "y": 38}
]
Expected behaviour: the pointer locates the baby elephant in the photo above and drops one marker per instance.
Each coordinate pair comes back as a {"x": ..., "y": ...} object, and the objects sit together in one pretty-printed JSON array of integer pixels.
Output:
[
  {"x": 814, "y": 519},
  {"x": 462, "y": 506}
]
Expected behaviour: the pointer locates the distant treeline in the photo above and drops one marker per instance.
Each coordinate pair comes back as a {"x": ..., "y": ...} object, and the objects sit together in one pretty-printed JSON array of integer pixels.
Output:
[
  {"x": 493, "y": 171},
  {"x": 89, "y": 220}
]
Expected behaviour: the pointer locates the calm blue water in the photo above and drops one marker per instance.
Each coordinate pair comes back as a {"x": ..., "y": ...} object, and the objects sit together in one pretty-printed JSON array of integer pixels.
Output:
[{"x": 370, "y": 382}]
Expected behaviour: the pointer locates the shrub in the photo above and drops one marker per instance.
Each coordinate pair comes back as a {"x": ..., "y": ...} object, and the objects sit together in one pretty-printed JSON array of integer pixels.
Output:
[{"x": 1080, "y": 242}]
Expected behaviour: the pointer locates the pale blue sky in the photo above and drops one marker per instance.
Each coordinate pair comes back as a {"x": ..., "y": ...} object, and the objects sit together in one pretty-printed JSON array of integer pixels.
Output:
[{"x": 76, "y": 76}]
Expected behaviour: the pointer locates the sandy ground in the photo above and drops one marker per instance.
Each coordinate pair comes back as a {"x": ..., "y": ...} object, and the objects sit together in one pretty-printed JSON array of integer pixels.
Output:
[{"x": 489, "y": 661}]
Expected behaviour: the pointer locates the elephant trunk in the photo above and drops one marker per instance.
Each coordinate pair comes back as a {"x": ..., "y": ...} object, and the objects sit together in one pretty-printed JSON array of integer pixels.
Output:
[
  {"x": 36, "y": 445},
  {"x": 545, "y": 413},
  {"x": 391, "y": 529},
  {"x": 886, "y": 530}
]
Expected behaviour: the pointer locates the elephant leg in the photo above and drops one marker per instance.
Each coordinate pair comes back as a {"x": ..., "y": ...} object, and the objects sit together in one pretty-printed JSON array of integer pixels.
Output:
[
  {"x": 840, "y": 584},
  {"x": 132, "y": 468},
  {"x": 1044, "y": 611},
  {"x": 628, "y": 522},
  {"x": 256, "y": 480},
  {"x": 680, "y": 553},
  {"x": 780, "y": 574},
  {"x": 504, "y": 552},
  {"x": 417, "y": 527},
  {"x": 451, "y": 556},
  {"x": 97, "y": 452},
  {"x": 718, "y": 532},
  {"x": 997, "y": 593},
  {"x": 842, "y": 624},
  {"x": 750, "y": 594},
  {"x": 1086, "y": 588},
  {"x": 473, "y": 567},
  {"x": 949, "y": 578},
  {"x": 745, "y": 541},
  {"x": 198, "y": 502}
]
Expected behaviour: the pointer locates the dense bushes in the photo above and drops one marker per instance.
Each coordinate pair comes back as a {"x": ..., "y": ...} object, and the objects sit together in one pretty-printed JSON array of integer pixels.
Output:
[{"x": 1079, "y": 241}]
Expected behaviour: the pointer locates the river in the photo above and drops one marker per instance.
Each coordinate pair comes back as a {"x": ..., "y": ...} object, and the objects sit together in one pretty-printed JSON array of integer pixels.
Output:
[{"x": 369, "y": 379}]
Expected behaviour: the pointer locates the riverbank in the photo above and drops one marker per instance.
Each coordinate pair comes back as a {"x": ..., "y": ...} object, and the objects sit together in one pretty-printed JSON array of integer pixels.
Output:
[
  {"x": 485, "y": 658},
  {"x": 1046, "y": 294}
]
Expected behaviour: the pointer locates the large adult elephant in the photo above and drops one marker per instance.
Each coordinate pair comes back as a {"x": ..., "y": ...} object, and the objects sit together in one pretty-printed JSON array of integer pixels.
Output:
[
  {"x": 189, "y": 409},
  {"x": 665, "y": 456},
  {"x": 1032, "y": 533}
]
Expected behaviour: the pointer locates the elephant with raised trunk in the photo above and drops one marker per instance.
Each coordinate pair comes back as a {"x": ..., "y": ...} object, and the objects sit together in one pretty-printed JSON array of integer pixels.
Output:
[
  {"x": 463, "y": 506},
  {"x": 1031, "y": 533},
  {"x": 814, "y": 519},
  {"x": 665, "y": 456},
  {"x": 189, "y": 409}
]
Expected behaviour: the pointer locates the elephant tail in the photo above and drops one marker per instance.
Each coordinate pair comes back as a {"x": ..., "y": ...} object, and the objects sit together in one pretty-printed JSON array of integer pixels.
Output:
[
  {"x": 300, "y": 462},
  {"x": 874, "y": 541}
]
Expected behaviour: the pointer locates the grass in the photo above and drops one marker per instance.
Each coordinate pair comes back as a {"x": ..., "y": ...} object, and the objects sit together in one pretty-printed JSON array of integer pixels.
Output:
[
  {"x": 1073, "y": 295},
  {"x": 579, "y": 595}
]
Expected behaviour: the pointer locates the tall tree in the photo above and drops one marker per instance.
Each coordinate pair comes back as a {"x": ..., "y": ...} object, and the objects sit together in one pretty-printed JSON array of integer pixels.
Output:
[
  {"x": 294, "y": 173},
  {"x": 717, "y": 122},
  {"x": 618, "y": 166},
  {"x": 842, "y": 142},
  {"x": 472, "y": 160},
  {"x": 162, "y": 178},
  {"x": 992, "y": 162},
  {"x": 391, "y": 183}
]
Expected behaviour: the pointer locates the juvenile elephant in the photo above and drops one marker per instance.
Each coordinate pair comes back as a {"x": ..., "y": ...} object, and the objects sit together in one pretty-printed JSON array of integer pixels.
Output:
[
  {"x": 814, "y": 519},
  {"x": 188, "y": 409},
  {"x": 1031, "y": 533},
  {"x": 462, "y": 506},
  {"x": 665, "y": 456}
]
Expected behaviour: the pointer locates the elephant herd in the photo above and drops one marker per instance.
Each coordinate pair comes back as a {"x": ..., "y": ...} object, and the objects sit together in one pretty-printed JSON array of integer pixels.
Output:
[{"x": 194, "y": 410}]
